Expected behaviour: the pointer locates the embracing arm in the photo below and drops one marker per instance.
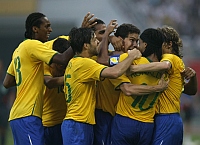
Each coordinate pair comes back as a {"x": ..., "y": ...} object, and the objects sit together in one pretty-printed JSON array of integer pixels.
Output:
[
  {"x": 154, "y": 66},
  {"x": 63, "y": 58},
  {"x": 132, "y": 89},
  {"x": 120, "y": 68},
  {"x": 53, "y": 82}
]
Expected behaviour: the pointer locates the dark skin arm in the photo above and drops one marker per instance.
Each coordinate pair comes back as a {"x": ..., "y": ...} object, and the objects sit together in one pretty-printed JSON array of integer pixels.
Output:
[
  {"x": 9, "y": 81},
  {"x": 53, "y": 82},
  {"x": 63, "y": 58},
  {"x": 190, "y": 88},
  {"x": 103, "y": 56}
]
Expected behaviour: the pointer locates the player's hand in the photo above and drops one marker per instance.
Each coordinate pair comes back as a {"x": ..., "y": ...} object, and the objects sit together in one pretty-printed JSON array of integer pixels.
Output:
[
  {"x": 135, "y": 53},
  {"x": 163, "y": 83},
  {"x": 111, "y": 27},
  {"x": 88, "y": 21},
  {"x": 117, "y": 43},
  {"x": 188, "y": 73}
]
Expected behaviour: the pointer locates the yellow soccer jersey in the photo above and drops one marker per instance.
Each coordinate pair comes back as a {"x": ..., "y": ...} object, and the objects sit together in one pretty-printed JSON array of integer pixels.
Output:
[
  {"x": 27, "y": 67},
  {"x": 169, "y": 101},
  {"x": 54, "y": 108},
  {"x": 107, "y": 96},
  {"x": 141, "y": 108},
  {"x": 80, "y": 88}
]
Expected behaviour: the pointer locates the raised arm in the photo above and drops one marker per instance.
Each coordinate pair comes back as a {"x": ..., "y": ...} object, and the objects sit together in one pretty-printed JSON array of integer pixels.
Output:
[
  {"x": 88, "y": 21},
  {"x": 103, "y": 56}
]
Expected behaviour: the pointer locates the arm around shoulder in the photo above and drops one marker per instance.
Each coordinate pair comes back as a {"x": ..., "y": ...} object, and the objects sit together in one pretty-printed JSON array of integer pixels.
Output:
[
  {"x": 53, "y": 82},
  {"x": 154, "y": 66},
  {"x": 63, "y": 58}
]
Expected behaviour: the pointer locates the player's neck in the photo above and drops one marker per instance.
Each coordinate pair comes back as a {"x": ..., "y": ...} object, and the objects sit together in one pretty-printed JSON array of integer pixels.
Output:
[{"x": 153, "y": 58}]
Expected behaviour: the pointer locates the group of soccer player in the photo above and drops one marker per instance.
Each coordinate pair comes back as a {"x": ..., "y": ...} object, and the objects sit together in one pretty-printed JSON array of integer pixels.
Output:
[{"x": 73, "y": 91}]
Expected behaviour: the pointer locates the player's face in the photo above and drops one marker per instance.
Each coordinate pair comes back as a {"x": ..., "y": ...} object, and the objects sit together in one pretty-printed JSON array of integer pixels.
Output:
[
  {"x": 100, "y": 30},
  {"x": 130, "y": 42},
  {"x": 93, "y": 45},
  {"x": 142, "y": 45},
  {"x": 166, "y": 49},
  {"x": 43, "y": 32}
]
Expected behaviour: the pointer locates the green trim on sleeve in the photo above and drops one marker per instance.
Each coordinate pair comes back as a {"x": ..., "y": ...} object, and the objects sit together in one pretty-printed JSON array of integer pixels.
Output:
[
  {"x": 117, "y": 88},
  {"x": 51, "y": 60},
  {"x": 101, "y": 78},
  {"x": 10, "y": 74},
  {"x": 47, "y": 75}
]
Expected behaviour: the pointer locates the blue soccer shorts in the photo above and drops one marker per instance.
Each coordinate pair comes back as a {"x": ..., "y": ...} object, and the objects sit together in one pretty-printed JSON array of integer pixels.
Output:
[
  {"x": 27, "y": 131},
  {"x": 168, "y": 130},
  {"x": 127, "y": 131},
  {"x": 52, "y": 135},
  {"x": 77, "y": 133},
  {"x": 102, "y": 128}
]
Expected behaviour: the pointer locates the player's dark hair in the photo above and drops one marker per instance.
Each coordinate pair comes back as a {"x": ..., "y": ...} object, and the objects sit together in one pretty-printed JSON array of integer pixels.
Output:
[
  {"x": 170, "y": 34},
  {"x": 98, "y": 21},
  {"x": 125, "y": 29},
  {"x": 61, "y": 45},
  {"x": 154, "y": 39},
  {"x": 34, "y": 19},
  {"x": 79, "y": 36}
]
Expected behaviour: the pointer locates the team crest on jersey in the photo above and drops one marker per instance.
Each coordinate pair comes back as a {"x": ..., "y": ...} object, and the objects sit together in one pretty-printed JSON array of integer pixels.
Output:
[{"x": 114, "y": 60}]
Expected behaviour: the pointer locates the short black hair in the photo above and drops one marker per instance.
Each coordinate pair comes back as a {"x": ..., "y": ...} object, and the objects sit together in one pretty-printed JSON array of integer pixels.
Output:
[
  {"x": 98, "y": 21},
  {"x": 125, "y": 29},
  {"x": 61, "y": 44}
]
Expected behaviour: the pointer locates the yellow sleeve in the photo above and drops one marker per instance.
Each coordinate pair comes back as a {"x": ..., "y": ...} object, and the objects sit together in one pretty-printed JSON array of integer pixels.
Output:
[{"x": 47, "y": 71}]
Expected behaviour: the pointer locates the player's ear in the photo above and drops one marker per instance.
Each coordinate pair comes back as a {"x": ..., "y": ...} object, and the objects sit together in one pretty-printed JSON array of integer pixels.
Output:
[
  {"x": 35, "y": 29},
  {"x": 86, "y": 45}
]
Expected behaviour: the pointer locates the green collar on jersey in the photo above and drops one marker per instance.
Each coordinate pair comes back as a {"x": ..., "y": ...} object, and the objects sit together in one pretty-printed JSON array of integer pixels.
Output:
[{"x": 149, "y": 59}]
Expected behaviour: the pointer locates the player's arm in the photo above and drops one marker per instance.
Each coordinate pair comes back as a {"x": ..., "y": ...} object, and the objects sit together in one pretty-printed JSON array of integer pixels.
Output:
[
  {"x": 120, "y": 68},
  {"x": 117, "y": 42},
  {"x": 132, "y": 89},
  {"x": 53, "y": 82},
  {"x": 190, "y": 88},
  {"x": 103, "y": 55},
  {"x": 63, "y": 58},
  {"x": 154, "y": 66},
  {"x": 9, "y": 81}
]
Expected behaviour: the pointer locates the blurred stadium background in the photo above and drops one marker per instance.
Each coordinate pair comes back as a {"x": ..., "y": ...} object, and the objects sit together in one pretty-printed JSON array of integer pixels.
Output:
[{"x": 183, "y": 15}]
